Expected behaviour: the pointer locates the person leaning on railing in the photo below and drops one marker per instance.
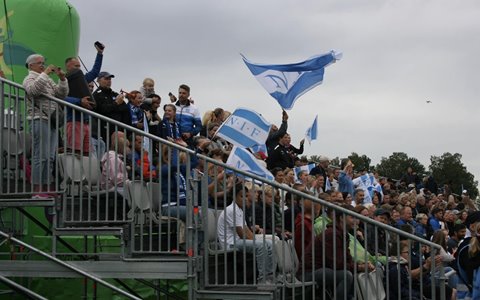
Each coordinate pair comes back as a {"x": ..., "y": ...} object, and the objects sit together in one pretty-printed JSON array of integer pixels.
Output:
[{"x": 41, "y": 113}]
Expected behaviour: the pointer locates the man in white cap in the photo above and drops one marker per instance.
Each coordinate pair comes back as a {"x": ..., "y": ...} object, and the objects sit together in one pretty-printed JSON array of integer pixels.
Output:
[{"x": 321, "y": 169}]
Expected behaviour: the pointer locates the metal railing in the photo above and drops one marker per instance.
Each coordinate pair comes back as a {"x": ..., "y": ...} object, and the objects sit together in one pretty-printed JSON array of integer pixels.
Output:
[{"x": 236, "y": 235}]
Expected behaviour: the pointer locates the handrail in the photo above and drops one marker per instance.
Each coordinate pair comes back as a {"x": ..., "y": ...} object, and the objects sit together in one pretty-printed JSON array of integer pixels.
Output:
[
  {"x": 68, "y": 266},
  {"x": 21, "y": 289},
  {"x": 244, "y": 173}
]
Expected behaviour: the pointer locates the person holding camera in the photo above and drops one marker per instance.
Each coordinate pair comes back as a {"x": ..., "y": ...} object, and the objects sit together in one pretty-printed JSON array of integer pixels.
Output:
[
  {"x": 78, "y": 130},
  {"x": 45, "y": 117}
]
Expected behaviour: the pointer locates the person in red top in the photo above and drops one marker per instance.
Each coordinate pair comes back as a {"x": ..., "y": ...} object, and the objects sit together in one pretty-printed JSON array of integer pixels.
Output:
[
  {"x": 304, "y": 227},
  {"x": 328, "y": 258}
]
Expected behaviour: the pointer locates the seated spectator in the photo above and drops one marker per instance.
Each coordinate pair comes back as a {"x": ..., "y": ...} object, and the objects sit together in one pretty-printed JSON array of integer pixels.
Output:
[
  {"x": 459, "y": 232},
  {"x": 217, "y": 142},
  {"x": 173, "y": 174},
  {"x": 421, "y": 228},
  {"x": 216, "y": 116},
  {"x": 406, "y": 218},
  {"x": 232, "y": 231},
  {"x": 440, "y": 238},
  {"x": 337, "y": 265},
  {"x": 303, "y": 233},
  {"x": 436, "y": 219},
  {"x": 359, "y": 197},
  {"x": 289, "y": 176},
  {"x": 114, "y": 172},
  {"x": 321, "y": 169},
  {"x": 148, "y": 88},
  {"x": 399, "y": 273},
  {"x": 377, "y": 238},
  {"x": 266, "y": 212},
  {"x": 41, "y": 111},
  {"x": 140, "y": 162},
  {"x": 293, "y": 207}
]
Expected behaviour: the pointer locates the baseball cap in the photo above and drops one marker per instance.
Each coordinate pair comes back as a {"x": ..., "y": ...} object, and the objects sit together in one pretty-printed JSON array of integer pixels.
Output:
[{"x": 105, "y": 75}]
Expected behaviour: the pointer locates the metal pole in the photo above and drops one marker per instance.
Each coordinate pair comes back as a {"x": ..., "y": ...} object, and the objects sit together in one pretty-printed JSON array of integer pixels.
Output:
[
  {"x": 20, "y": 288},
  {"x": 68, "y": 266}
]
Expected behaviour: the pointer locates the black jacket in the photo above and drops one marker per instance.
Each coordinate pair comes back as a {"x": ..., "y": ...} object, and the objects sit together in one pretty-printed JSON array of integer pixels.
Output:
[
  {"x": 283, "y": 157},
  {"x": 106, "y": 106}
]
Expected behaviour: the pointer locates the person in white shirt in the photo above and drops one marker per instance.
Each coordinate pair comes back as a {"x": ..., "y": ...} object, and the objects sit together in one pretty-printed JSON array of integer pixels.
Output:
[{"x": 233, "y": 232}]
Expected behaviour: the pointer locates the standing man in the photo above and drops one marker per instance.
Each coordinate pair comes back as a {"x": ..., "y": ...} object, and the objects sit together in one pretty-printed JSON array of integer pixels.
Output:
[
  {"x": 79, "y": 94},
  {"x": 110, "y": 104},
  {"x": 188, "y": 115},
  {"x": 41, "y": 111}
]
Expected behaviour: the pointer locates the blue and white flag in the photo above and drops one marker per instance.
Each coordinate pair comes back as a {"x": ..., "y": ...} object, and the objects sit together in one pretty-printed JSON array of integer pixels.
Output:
[
  {"x": 260, "y": 148},
  {"x": 244, "y": 128},
  {"x": 312, "y": 131},
  {"x": 245, "y": 161},
  {"x": 287, "y": 82},
  {"x": 369, "y": 184},
  {"x": 307, "y": 168}
]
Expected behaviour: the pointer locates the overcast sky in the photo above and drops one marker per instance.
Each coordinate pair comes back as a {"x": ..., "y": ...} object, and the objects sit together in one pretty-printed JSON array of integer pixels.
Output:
[{"x": 396, "y": 56}]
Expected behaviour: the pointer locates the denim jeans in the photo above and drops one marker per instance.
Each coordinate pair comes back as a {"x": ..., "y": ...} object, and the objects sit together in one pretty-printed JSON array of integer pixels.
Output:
[
  {"x": 98, "y": 146},
  {"x": 45, "y": 143},
  {"x": 263, "y": 255}
]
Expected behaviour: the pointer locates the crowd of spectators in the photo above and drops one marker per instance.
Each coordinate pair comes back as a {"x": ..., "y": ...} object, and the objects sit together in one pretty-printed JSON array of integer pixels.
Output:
[{"x": 412, "y": 204}]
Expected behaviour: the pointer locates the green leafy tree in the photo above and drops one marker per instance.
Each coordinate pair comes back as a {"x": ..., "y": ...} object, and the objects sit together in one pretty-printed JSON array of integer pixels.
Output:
[
  {"x": 396, "y": 165},
  {"x": 449, "y": 169},
  {"x": 361, "y": 163}
]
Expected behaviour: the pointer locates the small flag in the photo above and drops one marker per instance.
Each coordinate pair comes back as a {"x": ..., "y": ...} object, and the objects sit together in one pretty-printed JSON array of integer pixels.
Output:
[
  {"x": 312, "y": 131},
  {"x": 244, "y": 128},
  {"x": 245, "y": 161},
  {"x": 287, "y": 82}
]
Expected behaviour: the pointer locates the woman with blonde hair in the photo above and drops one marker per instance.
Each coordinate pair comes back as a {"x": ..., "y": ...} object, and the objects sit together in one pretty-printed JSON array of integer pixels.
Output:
[
  {"x": 212, "y": 116},
  {"x": 468, "y": 261}
]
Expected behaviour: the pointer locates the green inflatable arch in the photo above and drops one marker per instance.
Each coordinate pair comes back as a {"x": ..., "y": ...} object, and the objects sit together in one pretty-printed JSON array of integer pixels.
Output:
[{"x": 47, "y": 27}]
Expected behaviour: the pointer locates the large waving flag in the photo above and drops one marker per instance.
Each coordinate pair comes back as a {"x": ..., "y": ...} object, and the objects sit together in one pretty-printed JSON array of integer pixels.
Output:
[
  {"x": 244, "y": 128},
  {"x": 287, "y": 82},
  {"x": 245, "y": 161},
  {"x": 312, "y": 131}
]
